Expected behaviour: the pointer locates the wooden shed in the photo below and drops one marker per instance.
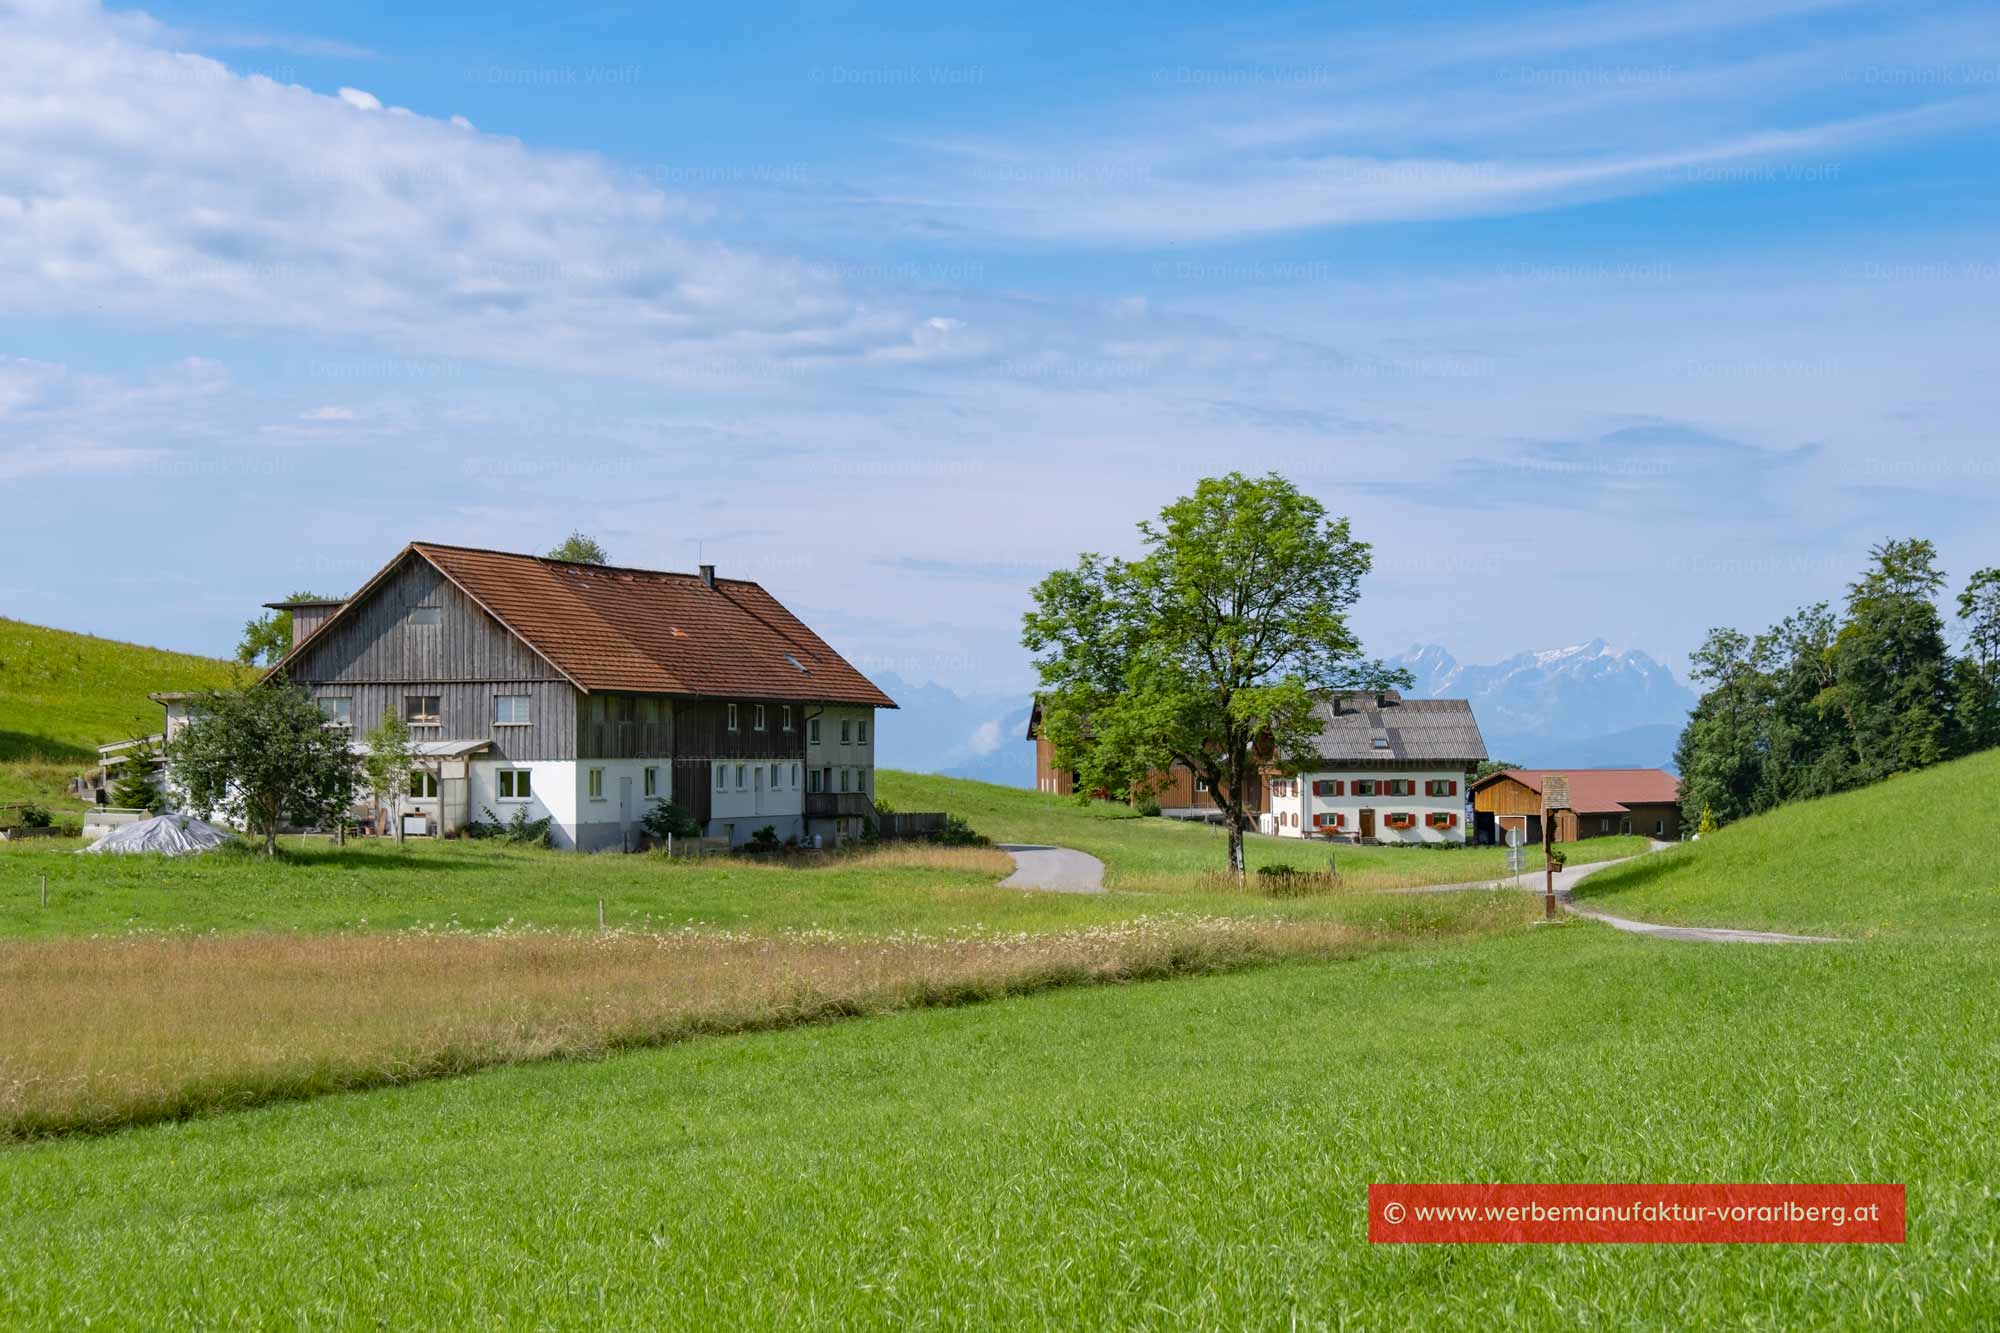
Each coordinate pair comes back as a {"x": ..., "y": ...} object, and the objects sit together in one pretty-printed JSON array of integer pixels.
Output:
[{"x": 1605, "y": 801}]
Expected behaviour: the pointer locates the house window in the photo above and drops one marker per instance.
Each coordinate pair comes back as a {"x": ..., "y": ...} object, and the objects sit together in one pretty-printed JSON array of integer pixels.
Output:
[
  {"x": 337, "y": 710},
  {"x": 510, "y": 710},
  {"x": 420, "y": 710},
  {"x": 861, "y": 732},
  {"x": 1441, "y": 819},
  {"x": 1326, "y": 787},
  {"x": 861, "y": 782},
  {"x": 757, "y": 721},
  {"x": 1380, "y": 742},
  {"x": 785, "y": 718},
  {"x": 812, "y": 781},
  {"x": 426, "y": 615},
  {"x": 757, "y": 777},
  {"x": 514, "y": 784},
  {"x": 652, "y": 782},
  {"x": 596, "y": 784},
  {"x": 742, "y": 777},
  {"x": 812, "y": 731},
  {"x": 795, "y": 777},
  {"x": 597, "y": 708},
  {"x": 1364, "y": 786},
  {"x": 1201, "y": 784},
  {"x": 423, "y": 785},
  {"x": 1441, "y": 787},
  {"x": 1659, "y": 828},
  {"x": 846, "y": 731},
  {"x": 732, "y": 717},
  {"x": 1604, "y": 824},
  {"x": 776, "y": 772},
  {"x": 843, "y": 779},
  {"x": 721, "y": 776}
]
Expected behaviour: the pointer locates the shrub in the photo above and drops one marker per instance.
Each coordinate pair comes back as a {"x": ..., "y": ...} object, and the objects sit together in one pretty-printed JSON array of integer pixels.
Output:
[
  {"x": 669, "y": 818},
  {"x": 764, "y": 840},
  {"x": 35, "y": 816},
  {"x": 1149, "y": 807},
  {"x": 958, "y": 833},
  {"x": 520, "y": 831}
]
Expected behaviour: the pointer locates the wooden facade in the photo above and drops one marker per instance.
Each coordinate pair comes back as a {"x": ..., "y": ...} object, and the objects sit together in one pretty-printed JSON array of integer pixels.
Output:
[
  {"x": 1506, "y": 803},
  {"x": 378, "y": 656}
]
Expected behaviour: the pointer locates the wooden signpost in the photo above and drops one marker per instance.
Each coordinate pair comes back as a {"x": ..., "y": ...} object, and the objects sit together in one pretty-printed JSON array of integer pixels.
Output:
[{"x": 1555, "y": 800}]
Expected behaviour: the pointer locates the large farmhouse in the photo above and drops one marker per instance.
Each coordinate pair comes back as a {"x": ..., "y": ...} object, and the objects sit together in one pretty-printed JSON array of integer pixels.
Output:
[
  {"x": 584, "y": 693},
  {"x": 1603, "y": 801},
  {"x": 1388, "y": 769}
]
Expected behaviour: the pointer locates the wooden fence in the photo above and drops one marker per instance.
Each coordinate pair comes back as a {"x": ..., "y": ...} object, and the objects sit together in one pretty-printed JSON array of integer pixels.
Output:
[{"x": 900, "y": 825}]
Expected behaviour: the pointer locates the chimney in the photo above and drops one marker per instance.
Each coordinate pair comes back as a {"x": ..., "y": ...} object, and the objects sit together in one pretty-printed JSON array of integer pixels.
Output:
[{"x": 708, "y": 575}]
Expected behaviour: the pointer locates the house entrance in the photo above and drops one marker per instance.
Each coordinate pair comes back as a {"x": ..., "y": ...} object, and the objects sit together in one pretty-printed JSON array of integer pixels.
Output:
[{"x": 1367, "y": 829}]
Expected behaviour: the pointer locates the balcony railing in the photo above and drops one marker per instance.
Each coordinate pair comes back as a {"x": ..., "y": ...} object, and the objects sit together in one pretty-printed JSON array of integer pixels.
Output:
[{"x": 830, "y": 805}]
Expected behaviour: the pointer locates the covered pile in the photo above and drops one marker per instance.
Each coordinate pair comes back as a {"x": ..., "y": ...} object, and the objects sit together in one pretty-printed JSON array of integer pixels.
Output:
[{"x": 170, "y": 835}]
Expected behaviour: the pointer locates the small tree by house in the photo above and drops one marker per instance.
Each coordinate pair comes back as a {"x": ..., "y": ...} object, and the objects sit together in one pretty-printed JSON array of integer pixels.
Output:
[
  {"x": 263, "y": 757},
  {"x": 1215, "y": 642},
  {"x": 268, "y": 638},
  {"x": 385, "y": 769},
  {"x": 581, "y": 548},
  {"x": 1707, "y": 825},
  {"x": 134, "y": 789}
]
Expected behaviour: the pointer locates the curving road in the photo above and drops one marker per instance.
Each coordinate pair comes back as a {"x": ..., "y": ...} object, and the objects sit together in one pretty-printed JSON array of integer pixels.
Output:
[{"x": 1052, "y": 869}]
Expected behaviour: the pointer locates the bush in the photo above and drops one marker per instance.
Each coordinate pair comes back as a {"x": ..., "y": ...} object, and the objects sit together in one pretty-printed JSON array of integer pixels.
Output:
[
  {"x": 958, "y": 833},
  {"x": 764, "y": 840},
  {"x": 1149, "y": 807},
  {"x": 35, "y": 816},
  {"x": 1282, "y": 881},
  {"x": 520, "y": 831},
  {"x": 668, "y": 818}
]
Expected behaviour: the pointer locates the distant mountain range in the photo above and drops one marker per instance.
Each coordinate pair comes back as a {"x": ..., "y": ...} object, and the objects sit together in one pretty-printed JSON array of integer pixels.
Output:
[
  {"x": 1585, "y": 706},
  {"x": 963, "y": 736}
]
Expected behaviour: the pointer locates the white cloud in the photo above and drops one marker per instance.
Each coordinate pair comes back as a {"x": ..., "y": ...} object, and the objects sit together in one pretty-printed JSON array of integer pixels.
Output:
[
  {"x": 158, "y": 188},
  {"x": 327, "y": 414}
]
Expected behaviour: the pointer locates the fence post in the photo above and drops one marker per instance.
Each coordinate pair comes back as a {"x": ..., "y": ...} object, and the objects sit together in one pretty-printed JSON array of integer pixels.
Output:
[
  {"x": 45, "y": 890},
  {"x": 600, "y": 914}
]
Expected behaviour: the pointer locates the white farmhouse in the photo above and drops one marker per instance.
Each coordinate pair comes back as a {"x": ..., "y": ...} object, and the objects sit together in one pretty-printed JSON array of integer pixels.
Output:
[{"x": 1387, "y": 769}]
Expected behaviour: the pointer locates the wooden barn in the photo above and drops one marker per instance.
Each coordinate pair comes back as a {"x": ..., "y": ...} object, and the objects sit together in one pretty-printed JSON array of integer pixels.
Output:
[{"x": 1605, "y": 801}]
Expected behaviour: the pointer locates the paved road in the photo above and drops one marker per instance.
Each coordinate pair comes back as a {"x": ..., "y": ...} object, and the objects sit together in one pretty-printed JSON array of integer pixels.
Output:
[
  {"x": 1532, "y": 882},
  {"x": 1055, "y": 869}
]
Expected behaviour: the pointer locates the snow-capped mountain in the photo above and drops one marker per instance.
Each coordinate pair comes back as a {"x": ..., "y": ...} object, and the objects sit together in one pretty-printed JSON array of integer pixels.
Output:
[{"x": 1586, "y": 705}]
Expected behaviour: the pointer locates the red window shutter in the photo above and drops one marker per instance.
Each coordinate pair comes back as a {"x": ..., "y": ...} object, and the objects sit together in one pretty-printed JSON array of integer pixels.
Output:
[{"x": 1454, "y": 788}]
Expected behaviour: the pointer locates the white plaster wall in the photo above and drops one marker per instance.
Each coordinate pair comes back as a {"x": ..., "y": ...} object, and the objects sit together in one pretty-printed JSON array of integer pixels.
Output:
[
  {"x": 1306, "y": 804},
  {"x": 755, "y": 802}
]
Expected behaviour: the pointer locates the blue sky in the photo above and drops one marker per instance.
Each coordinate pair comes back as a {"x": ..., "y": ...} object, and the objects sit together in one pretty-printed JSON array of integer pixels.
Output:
[{"x": 1607, "y": 319}]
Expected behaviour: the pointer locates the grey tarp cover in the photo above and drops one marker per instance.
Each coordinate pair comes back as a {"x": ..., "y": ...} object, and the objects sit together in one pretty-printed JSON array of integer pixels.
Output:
[{"x": 171, "y": 835}]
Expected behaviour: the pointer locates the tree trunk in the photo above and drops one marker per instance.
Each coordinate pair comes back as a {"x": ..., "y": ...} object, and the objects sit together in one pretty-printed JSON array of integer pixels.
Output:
[
  {"x": 396, "y": 815},
  {"x": 270, "y": 840},
  {"x": 1235, "y": 846}
]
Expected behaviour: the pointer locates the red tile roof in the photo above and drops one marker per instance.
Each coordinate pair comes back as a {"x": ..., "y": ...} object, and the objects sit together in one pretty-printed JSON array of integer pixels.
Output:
[
  {"x": 608, "y": 628},
  {"x": 1593, "y": 789}
]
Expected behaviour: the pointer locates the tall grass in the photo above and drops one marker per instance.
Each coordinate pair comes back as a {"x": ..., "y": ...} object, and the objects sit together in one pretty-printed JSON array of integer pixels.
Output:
[{"x": 106, "y": 1031}]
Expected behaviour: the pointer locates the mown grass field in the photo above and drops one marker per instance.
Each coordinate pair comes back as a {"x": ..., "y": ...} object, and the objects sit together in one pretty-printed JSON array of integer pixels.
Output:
[
  {"x": 1189, "y": 1153},
  {"x": 1172, "y": 856},
  {"x": 1920, "y": 852},
  {"x": 62, "y": 695}
]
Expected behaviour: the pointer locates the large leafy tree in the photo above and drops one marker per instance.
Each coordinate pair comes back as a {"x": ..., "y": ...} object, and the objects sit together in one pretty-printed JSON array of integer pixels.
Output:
[
  {"x": 1892, "y": 667},
  {"x": 1720, "y": 756},
  {"x": 1978, "y": 672},
  {"x": 263, "y": 756},
  {"x": 268, "y": 638},
  {"x": 580, "y": 548},
  {"x": 1805, "y": 750},
  {"x": 1212, "y": 645}
]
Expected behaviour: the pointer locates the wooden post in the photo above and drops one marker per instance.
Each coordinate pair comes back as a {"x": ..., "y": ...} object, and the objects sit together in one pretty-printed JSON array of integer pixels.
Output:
[
  {"x": 1548, "y": 868},
  {"x": 45, "y": 890},
  {"x": 1555, "y": 800},
  {"x": 600, "y": 914}
]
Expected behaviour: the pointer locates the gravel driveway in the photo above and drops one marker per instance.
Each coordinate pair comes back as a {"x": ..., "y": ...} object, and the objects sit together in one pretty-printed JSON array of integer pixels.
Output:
[{"x": 1055, "y": 869}]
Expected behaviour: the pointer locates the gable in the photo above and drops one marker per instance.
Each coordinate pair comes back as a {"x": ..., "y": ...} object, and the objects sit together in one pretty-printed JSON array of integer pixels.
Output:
[{"x": 374, "y": 637}]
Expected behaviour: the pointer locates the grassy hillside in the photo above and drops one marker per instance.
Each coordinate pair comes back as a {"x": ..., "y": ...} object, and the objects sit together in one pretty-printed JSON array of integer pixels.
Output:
[
  {"x": 1153, "y": 855},
  {"x": 1916, "y": 852},
  {"x": 62, "y": 695}
]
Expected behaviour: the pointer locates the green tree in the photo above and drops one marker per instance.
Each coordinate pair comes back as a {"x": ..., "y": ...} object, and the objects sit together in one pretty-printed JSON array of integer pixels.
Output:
[
  {"x": 268, "y": 638},
  {"x": 1804, "y": 744},
  {"x": 582, "y": 549},
  {"x": 1893, "y": 673},
  {"x": 1977, "y": 674},
  {"x": 263, "y": 756},
  {"x": 1214, "y": 644},
  {"x": 385, "y": 768},
  {"x": 1488, "y": 767},
  {"x": 1721, "y": 750},
  {"x": 134, "y": 789}
]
